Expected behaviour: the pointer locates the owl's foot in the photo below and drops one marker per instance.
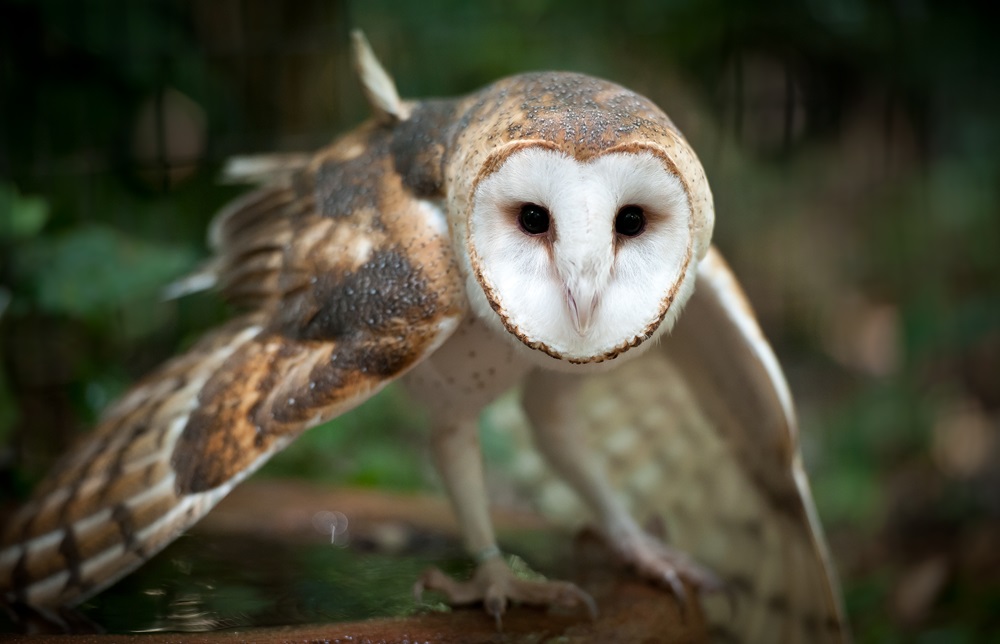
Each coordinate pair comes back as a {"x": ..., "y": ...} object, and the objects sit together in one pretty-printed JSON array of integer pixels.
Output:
[
  {"x": 494, "y": 584},
  {"x": 658, "y": 562}
]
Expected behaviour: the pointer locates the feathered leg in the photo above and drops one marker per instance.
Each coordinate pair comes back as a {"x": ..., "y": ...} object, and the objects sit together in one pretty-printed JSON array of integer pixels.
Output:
[
  {"x": 550, "y": 402},
  {"x": 454, "y": 386},
  {"x": 456, "y": 452}
]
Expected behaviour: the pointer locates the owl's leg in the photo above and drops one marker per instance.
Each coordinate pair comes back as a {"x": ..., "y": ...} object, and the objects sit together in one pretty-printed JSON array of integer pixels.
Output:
[
  {"x": 550, "y": 402},
  {"x": 456, "y": 452}
]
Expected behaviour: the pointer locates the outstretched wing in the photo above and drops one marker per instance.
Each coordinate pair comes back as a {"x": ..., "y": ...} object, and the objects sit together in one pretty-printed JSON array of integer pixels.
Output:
[
  {"x": 700, "y": 435},
  {"x": 348, "y": 279}
]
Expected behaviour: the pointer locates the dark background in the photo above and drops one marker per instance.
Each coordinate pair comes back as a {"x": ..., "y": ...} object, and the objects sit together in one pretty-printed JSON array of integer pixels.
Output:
[{"x": 852, "y": 147}]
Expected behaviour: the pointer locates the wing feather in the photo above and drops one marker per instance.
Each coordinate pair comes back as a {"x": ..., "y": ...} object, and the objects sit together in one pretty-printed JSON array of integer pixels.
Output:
[{"x": 348, "y": 285}]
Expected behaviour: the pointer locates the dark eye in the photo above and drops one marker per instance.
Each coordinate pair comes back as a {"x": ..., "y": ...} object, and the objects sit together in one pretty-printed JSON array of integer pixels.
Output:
[
  {"x": 533, "y": 219},
  {"x": 630, "y": 221}
]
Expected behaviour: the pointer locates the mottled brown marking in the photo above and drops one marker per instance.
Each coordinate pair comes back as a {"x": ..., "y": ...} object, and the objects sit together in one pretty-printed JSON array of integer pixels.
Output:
[
  {"x": 42, "y": 564},
  {"x": 69, "y": 473},
  {"x": 97, "y": 539},
  {"x": 150, "y": 511},
  {"x": 125, "y": 525},
  {"x": 85, "y": 499},
  {"x": 418, "y": 149},
  {"x": 385, "y": 294},
  {"x": 246, "y": 410},
  {"x": 113, "y": 471},
  {"x": 70, "y": 551},
  {"x": 339, "y": 329},
  {"x": 47, "y": 515},
  {"x": 134, "y": 481},
  {"x": 141, "y": 446},
  {"x": 204, "y": 457},
  {"x": 366, "y": 326},
  {"x": 580, "y": 114},
  {"x": 19, "y": 526},
  {"x": 20, "y": 578},
  {"x": 345, "y": 187}
]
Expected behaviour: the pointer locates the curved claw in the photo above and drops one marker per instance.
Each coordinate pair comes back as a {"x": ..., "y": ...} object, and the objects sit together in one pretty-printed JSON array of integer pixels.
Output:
[
  {"x": 673, "y": 580},
  {"x": 588, "y": 602},
  {"x": 495, "y": 604},
  {"x": 497, "y": 613},
  {"x": 672, "y": 568},
  {"x": 430, "y": 578}
]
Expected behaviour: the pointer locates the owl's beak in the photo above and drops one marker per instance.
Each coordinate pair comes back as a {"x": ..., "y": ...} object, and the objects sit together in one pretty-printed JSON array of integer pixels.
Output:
[{"x": 582, "y": 305}]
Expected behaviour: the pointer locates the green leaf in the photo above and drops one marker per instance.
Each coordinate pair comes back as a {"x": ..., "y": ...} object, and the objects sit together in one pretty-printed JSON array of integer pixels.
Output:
[
  {"x": 92, "y": 271},
  {"x": 20, "y": 217}
]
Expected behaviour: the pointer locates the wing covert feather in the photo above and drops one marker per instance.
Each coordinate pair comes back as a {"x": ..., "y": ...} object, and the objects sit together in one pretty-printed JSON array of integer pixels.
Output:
[{"x": 349, "y": 280}]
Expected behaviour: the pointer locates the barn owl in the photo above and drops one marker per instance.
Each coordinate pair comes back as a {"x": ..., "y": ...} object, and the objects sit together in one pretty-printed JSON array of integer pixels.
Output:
[{"x": 551, "y": 230}]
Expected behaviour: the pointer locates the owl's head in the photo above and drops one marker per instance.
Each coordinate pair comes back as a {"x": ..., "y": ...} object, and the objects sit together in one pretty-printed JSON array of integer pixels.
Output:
[{"x": 585, "y": 223}]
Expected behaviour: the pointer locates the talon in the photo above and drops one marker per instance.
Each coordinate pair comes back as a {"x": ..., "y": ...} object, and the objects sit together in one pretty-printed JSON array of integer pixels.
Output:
[
  {"x": 672, "y": 568},
  {"x": 678, "y": 589},
  {"x": 429, "y": 579},
  {"x": 588, "y": 603},
  {"x": 495, "y": 604}
]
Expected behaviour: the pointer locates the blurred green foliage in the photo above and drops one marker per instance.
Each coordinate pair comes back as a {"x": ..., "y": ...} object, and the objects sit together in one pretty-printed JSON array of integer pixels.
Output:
[
  {"x": 92, "y": 271},
  {"x": 374, "y": 446},
  {"x": 23, "y": 216},
  {"x": 853, "y": 153}
]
